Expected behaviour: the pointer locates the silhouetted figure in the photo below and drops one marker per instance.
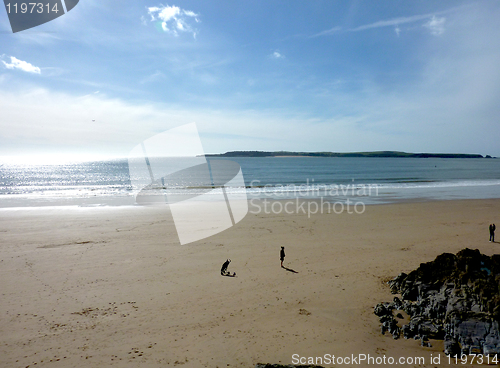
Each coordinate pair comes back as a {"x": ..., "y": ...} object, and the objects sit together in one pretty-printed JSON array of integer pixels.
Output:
[
  {"x": 223, "y": 270},
  {"x": 492, "y": 232},
  {"x": 282, "y": 255}
]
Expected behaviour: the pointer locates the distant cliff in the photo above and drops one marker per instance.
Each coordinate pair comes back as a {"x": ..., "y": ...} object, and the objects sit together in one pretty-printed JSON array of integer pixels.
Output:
[{"x": 342, "y": 154}]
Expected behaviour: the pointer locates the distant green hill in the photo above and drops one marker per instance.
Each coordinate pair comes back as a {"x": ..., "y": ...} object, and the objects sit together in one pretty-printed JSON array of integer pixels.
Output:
[{"x": 342, "y": 154}]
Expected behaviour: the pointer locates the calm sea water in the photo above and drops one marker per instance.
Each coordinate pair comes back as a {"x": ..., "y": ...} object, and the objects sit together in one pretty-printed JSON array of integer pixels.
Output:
[{"x": 373, "y": 180}]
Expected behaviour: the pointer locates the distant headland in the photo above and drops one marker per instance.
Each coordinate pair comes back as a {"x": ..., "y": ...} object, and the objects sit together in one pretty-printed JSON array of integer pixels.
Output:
[{"x": 344, "y": 154}]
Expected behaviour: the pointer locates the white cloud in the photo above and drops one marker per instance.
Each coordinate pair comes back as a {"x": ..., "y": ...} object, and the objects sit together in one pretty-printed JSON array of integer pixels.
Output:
[
  {"x": 15, "y": 63},
  {"x": 277, "y": 55},
  {"x": 174, "y": 19},
  {"x": 436, "y": 25},
  {"x": 397, "y": 30},
  {"x": 189, "y": 13},
  {"x": 168, "y": 12}
]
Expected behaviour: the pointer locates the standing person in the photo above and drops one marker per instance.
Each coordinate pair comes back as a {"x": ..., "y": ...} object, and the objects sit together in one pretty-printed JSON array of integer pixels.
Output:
[
  {"x": 492, "y": 232},
  {"x": 282, "y": 255}
]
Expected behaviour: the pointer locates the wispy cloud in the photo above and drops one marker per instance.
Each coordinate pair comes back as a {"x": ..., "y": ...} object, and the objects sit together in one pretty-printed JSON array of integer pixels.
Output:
[
  {"x": 327, "y": 32},
  {"x": 50, "y": 71},
  {"x": 436, "y": 25},
  {"x": 15, "y": 63},
  {"x": 174, "y": 19},
  {"x": 153, "y": 77},
  {"x": 277, "y": 55},
  {"x": 391, "y": 22},
  {"x": 397, "y": 30}
]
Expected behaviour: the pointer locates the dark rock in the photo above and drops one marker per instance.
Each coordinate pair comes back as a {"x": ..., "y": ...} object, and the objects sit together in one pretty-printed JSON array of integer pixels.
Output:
[
  {"x": 383, "y": 309},
  {"x": 397, "y": 303},
  {"x": 395, "y": 332},
  {"x": 451, "y": 348},
  {"x": 424, "y": 341},
  {"x": 405, "y": 330},
  {"x": 454, "y": 297},
  {"x": 432, "y": 330},
  {"x": 395, "y": 284}
]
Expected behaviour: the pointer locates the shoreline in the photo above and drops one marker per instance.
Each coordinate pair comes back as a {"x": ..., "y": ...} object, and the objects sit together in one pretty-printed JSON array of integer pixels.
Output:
[
  {"x": 368, "y": 200},
  {"x": 106, "y": 286}
]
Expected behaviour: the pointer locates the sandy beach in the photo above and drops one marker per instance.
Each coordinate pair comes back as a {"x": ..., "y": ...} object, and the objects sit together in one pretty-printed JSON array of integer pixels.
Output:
[{"x": 111, "y": 286}]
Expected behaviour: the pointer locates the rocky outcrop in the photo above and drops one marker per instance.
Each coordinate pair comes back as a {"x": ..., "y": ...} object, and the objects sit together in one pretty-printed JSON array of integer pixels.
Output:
[{"x": 455, "y": 298}]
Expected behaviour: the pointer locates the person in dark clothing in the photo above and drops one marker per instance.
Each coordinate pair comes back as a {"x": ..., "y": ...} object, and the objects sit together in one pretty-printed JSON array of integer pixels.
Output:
[
  {"x": 223, "y": 270},
  {"x": 492, "y": 232},
  {"x": 282, "y": 255}
]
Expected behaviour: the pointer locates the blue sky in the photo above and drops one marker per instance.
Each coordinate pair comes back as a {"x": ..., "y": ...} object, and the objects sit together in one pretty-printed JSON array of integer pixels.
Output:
[{"x": 416, "y": 76}]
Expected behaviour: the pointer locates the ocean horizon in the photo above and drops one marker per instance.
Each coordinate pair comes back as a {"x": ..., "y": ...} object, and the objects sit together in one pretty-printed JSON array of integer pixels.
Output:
[{"x": 371, "y": 180}]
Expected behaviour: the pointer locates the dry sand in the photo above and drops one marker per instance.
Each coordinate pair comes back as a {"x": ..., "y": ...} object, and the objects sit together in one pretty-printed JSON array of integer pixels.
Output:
[{"x": 99, "y": 287}]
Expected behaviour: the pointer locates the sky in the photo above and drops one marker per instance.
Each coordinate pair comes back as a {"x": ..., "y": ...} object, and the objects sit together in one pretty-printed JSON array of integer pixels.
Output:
[{"x": 340, "y": 76}]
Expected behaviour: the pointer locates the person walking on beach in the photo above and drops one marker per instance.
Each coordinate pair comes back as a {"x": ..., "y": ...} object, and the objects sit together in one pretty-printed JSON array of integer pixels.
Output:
[
  {"x": 223, "y": 270},
  {"x": 492, "y": 232},
  {"x": 282, "y": 255}
]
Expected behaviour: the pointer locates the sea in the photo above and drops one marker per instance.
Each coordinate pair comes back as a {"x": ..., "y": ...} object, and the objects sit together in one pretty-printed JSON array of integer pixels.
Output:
[{"x": 371, "y": 180}]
